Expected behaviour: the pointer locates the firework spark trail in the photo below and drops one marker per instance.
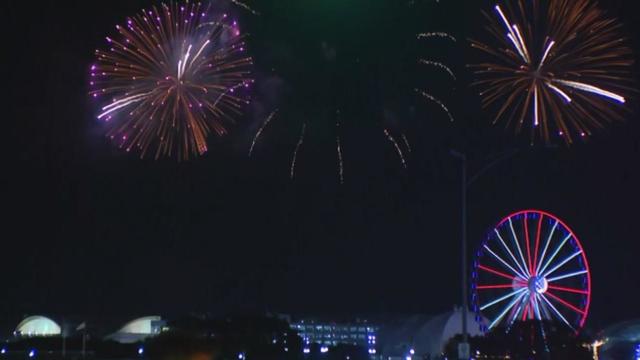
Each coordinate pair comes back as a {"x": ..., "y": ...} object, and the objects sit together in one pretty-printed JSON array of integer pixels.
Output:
[
  {"x": 231, "y": 90},
  {"x": 560, "y": 92},
  {"x": 245, "y": 6},
  {"x": 295, "y": 152},
  {"x": 442, "y": 35},
  {"x": 435, "y": 100},
  {"x": 406, "y": 142},
  {"x": 592, "y": 89},
  {"x": 440, "y": 66},
  {"x": 259, "y": 133},
  {"x": 171, "y": 79},
  {"x": 122, "y": 103},
  {"x": 397, "y": 146},
  {"x": 560, "y": 85},
  {"x": 339, "y": 150}
]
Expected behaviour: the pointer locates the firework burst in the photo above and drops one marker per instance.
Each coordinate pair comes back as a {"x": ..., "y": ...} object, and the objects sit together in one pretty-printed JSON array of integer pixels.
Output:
[
  {"x": 175, "y": 74},
  {"x": 345, "y": 121},
  {"x": 557, "y": 67}
]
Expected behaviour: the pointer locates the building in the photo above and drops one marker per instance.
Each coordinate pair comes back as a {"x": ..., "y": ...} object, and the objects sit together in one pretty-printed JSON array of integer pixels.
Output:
[
  {"x": 360, "y": 333},
  {"x": 390, "y": 337}
]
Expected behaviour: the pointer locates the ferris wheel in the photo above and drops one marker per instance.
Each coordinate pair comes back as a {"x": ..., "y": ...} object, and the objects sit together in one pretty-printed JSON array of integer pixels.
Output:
[{"x": 531, "y": 266}]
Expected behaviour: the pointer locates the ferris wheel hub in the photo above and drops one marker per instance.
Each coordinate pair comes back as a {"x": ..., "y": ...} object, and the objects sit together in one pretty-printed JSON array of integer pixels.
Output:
[{"x": 538, "y": 285}]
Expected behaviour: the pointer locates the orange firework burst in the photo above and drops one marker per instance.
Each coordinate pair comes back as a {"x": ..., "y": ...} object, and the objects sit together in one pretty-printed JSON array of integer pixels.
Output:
[
  {"x": 175, "y": 75},
  {"x": 557, "y": 67}
]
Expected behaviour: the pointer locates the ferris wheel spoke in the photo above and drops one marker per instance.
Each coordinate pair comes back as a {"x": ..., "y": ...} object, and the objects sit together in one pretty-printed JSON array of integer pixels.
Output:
[
  {"x": 503, "y": 298},
  {"x": 504, "y": 244},
  {"x": 570, "y": 290},
  {"x": 556, "y": 311},
  {"x": 519, "y": 274},
  {"x": 499, "y": 273},
  {"x": 545, "y": 312},
  {"x": 537, "y": 247},
  {"x": 515, "y": 240},
  {"x": 562, "y": 263},
  {"x": 507, "y": 308},
  {"x": 516, "y": 314},
  {"x": 555, "y": 253},
  {"x": 528, "y": 244},
  {"x": 536, "y": 307},
  {"x": 565, "y": 303},
  {"x": 491, "y": 287},
  {"x": 546, "y": 246},
  {"x": 525, "y": 313},
  {"x": 566, "y": 276}
]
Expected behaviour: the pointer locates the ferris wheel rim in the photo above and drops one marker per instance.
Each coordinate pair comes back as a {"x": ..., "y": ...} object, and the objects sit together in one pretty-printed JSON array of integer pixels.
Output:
[{"x": 522, "y": 282}]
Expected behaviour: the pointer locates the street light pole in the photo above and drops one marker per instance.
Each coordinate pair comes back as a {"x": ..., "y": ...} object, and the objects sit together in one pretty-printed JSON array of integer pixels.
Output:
[
  {"x": 465, "y": 298},
  {"x": 465, "y": 288},
  {"x": 464, "y": 185}
]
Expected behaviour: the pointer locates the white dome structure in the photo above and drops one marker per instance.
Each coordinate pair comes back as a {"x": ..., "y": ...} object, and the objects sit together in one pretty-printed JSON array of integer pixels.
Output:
[
  {"x": 38, "y": 326},
  {"x": 139, "y": 329},
  {"x": 437, "y": 332},
  {"x": 423, "y": 335}
]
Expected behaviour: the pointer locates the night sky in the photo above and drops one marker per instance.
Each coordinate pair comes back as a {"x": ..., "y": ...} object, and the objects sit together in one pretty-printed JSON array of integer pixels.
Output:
[{"x": 90, "y": 231}]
